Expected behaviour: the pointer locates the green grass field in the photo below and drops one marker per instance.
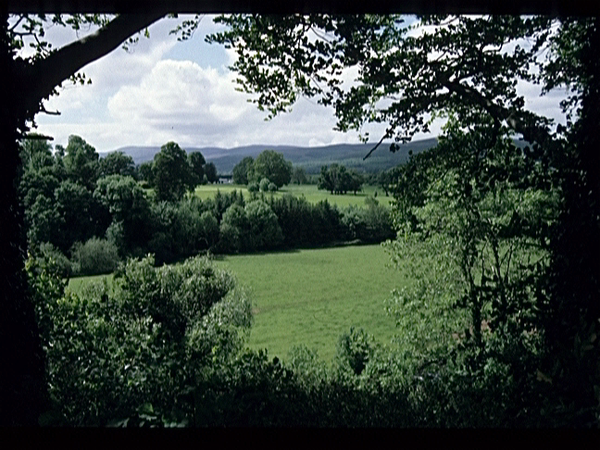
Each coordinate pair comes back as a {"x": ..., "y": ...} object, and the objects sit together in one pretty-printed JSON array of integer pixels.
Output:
[
  {"x": 77, "y": 284},
  {"x": 310, "y": 192},
  {"x": 311, "y": 297}
]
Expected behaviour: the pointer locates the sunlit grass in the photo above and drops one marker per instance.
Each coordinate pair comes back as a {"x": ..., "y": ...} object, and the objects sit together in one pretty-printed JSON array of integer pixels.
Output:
[
  {"x": 309, "y": 191},
  {"x": 311, "y": 297}
]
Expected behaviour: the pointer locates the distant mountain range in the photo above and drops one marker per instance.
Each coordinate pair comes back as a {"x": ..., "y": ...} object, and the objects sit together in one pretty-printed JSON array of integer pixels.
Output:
[{"x": 311, "y": 158}]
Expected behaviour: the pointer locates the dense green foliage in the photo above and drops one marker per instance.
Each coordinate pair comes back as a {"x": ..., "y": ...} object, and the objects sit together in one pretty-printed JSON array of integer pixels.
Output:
[
  {"x": 339, "y": 180},
  {"x": 210, "y": 170},
  {"x": 115, "y": 212},
  {"x": 130, "y": 352},
  {"x": 95, "y": 256},
  {"x": 268, "y": 168},
  {"x": 117, "y": 163},
  {"x": 308, "y": 191},
  {"x": 515, "y": 266},
  {"x": 242, "y": 172},
  {"x": 503, "y": 311},
  {"x": 271, "y": 165},
  {"x": 172, "y": 174},
  {"x": 306, "y": 299}
]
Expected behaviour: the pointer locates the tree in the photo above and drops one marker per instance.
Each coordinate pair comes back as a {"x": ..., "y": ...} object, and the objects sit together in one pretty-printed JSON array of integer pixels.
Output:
[
  {"x": 81, "y": 162},
  {"x": 36, "y": 153},
  {"x": 326, "y": 180},
  {"x": 196, "y": 161},
  {"x": 467, "y": 68},
  {"x": 356, "y": 181},
  {"x": 78, "y": 210},
  {"x": 264, "y": 184},
  {"x": 172, "y": 173},
  {"x": 265, "y": 232},
  {"x": 145, "y": 173},
  {"x": 242, "y": 171},
  {"x": 338, "y": 180},
  {"x": 272, "y": 165},
  {"x": 235, "y": 229},
  {"x": 299, "y": 175},
  {"x": 28, "y": 82},
  {"x": 384, "y": 179},
  {"x": 128, "y": 206},
  {"x": 117, "y": 163},
  {"x": 210, "y": 171},
  {"x": 143, "y": 341}
]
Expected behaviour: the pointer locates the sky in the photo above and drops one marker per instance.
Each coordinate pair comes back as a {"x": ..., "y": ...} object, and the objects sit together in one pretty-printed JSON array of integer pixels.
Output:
[{"x": 163, "y": 90}]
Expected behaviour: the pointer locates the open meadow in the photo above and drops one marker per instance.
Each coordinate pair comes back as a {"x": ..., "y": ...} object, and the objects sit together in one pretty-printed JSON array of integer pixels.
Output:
[
  {"x": 311, "y": 297},
  {"x": 309, "y": 191}
]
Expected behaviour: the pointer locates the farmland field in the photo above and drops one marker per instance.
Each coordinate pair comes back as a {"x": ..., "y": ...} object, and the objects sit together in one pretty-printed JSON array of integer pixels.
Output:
[
  {"x": 309, "y": 191},
  {"x": 77, "y": 284},
  {"x": 312, "y": 296}
]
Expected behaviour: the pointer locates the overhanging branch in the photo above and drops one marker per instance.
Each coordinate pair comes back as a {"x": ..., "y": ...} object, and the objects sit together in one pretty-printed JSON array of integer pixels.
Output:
[
  {"x": 60, "y": 65},
  {"x": 376, "y": 146},
  {"x": 515, "y": 119}
]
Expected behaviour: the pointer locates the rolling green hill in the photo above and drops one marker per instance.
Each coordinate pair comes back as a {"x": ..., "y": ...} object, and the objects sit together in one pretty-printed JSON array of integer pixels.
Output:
[{"x": 311, "y": 158}]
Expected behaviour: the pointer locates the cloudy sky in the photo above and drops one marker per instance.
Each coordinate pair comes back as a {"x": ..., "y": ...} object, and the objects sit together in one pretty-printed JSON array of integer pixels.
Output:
[{"x": 163, "y": 90}]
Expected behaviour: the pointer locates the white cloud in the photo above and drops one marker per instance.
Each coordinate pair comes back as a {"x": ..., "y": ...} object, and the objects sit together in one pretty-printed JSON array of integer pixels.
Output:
[{"x": 161, "y": 92}]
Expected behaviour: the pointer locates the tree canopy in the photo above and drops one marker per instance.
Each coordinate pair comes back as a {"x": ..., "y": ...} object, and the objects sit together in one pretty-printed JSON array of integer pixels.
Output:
[
  {"x": 242, "y": 172},
  {"x": 468, "y": 70},
  {"x": 172, "y": 174},
  {"x": 406, "y": 73},
  {"x": 339, "y": 180},
  {"x": 273, "y": 166}
]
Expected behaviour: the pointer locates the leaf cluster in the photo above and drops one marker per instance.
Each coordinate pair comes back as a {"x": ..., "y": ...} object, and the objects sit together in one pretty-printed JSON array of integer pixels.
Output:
[{"x": 130, "y": 351}]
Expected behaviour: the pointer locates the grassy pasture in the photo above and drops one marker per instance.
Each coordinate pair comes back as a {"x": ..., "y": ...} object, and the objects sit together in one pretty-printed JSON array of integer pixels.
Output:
[
  {"x": 77, "y": 284},
  {"x": 310, "y": 191},
  {"x": 311, "y": 296}
]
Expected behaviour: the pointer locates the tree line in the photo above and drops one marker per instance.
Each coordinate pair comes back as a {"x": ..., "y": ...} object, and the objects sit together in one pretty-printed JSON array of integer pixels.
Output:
[
  {"x": 90, "y": 212},
  {"x": 270, "y": 171}
]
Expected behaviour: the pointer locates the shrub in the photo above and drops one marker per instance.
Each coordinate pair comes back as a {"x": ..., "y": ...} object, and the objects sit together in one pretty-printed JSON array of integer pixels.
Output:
[
  {"x": 94, "y": 257},
  {"x": 354, "y": 351},
  {"x": 253, "y": 187},
  {"x": 128, "y": 354},
  {"x": 264, "y": 184},
  {"x": 265, "y": 232},
  {"x": 355, "y": 222},
  {"x": 209, "y": 229},
  {"x": 295, "y": 219},
  {"x": 61, "y": 264}
]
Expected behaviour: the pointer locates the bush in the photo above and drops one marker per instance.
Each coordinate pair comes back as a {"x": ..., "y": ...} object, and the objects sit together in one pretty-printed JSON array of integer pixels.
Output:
[
  {"x": 265, "y": 232},
  {"x": 355, "y": 222},
  {"x": 130, "y": 353},
  {"x": 253, "y": 187},
  {"x": 264, "y": 184},
  {"x": 234, "y": 230},
  {"x": 95, "y": 257},
  {"x": 61, "y": 264},
  {"x": 354, "y": 351},
  {"x": 209, "y": 229}
]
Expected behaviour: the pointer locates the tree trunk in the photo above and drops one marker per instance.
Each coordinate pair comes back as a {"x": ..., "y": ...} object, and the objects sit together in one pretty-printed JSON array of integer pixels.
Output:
[
  {"x": 572, "y": 309},
  {"x": 25, "y": 85},
  {"x": 22, "y": 384}
]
